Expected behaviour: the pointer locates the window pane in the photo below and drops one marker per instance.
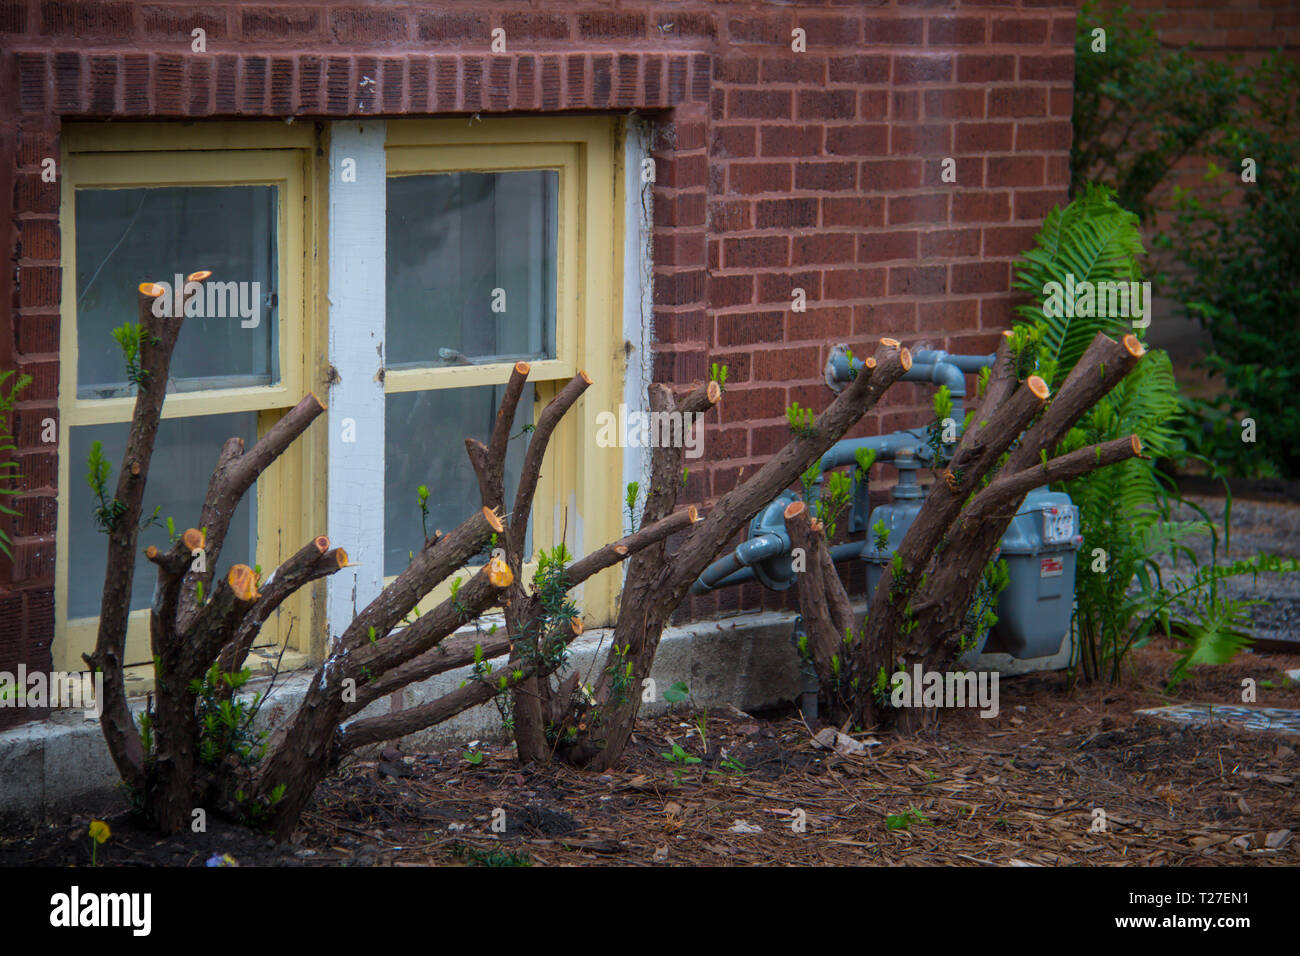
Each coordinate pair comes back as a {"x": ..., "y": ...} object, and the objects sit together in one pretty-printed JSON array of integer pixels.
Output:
[
  {"x": 424, "y": 444},
  {"x": 183, "y": 460},
  {"x": 471, "y": 268},
  {"x": 129, "y": 236}
]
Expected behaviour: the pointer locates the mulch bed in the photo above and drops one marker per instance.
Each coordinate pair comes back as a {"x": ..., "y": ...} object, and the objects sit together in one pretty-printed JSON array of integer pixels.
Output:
[{"x": 1018, "y": 789}]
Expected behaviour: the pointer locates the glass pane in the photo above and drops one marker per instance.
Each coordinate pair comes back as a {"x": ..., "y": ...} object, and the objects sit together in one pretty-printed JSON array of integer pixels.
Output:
[
  {"x": 471, "y": 268},
  {"x": 424, "y": 444},
  {"x": 183, "y": 459},
  {"x": 129, "y": 236}
]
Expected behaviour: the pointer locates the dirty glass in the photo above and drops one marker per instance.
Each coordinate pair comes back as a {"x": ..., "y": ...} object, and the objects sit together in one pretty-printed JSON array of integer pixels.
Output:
[
  {"x": 183, "y": 459},
  {"x": 424, "y": 444},
  {"x": 471, "y": 268},
  {"x": 129, "y": 236}
]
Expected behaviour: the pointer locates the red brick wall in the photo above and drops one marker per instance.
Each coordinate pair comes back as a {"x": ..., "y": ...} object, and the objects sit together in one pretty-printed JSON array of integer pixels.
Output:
[{"x": 776, "y": 169}]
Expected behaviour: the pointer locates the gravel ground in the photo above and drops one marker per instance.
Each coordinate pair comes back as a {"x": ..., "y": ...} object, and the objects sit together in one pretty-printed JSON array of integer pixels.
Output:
[{"x": 1258, "y": 527}]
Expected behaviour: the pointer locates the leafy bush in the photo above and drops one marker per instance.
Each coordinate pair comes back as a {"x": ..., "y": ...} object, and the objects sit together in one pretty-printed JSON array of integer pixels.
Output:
[
  {"x": 1124, "y": 509},
  {"x": 1139, "y": 107},
  {"x": 1240, "y": 252},
  {"x": 8, "y": 469}
]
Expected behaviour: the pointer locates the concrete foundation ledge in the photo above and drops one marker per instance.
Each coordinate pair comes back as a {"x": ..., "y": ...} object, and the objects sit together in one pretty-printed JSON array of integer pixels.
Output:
[{"x": 61, "y": 765}]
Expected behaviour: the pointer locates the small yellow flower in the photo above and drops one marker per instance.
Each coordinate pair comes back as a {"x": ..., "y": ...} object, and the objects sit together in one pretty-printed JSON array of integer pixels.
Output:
[
  {"x": 499, "y": 573},
  {"x": 99, "y": 831}
]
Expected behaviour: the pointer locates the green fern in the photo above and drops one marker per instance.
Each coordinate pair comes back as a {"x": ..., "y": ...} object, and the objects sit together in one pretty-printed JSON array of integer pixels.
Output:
[{"x": 1094, "y": 240}]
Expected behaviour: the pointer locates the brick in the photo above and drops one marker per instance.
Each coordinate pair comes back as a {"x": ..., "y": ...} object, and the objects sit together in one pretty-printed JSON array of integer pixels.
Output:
[
  {"x": 759, "y": 104},
  {"x": 729, "y": 216},
  {"x": 965, "y": 104},
  {"x": 740, "y": 141},
  {"x": 980, "y": 277},
  {"x": 890, "y": 31},
  {"x": 38, "y": 334},
  {"x": 37, "y": 515},
  {"x": 40, "y": 287},
  {"x": 759, "y": 177},
  {"x": 178, "y": 22},
  {"x": 1059, "y": 68},
  {"x": 90, "y": 19},
  {"x": 687, "y": 25},
  {"x": 790, "y": 140},
  {"x": 930, "y": 68},
  {"x": 279, "y": 23},
  {"x": 918, "y": 280},
  {"x": 831, "y": 31},
  {"x": 779, "y": 287},
  {"x": 817, "y": 325},
  {"x": 724, "y": 291},
  {"x": 948, "y": 316},
  {"x": 853, "y": 211},
  {"x": 863, "y": 139},
  {"x": 985, "y": 68},
  {"x": 886, "y": 246},
  {"x": 1009, "y": 240},
  {"x": 40, "y": 238},
  {"x": 777, "y": 365},
  {"x": 1020, "y": 30},
  {"x": 827, "y": 176},
  {"x": 1017, "y": 101},
  {"x": 976, "y": 206},
  {"x": 891, "y": 174},
  {"x": 1013, "y": 171},
  {"x": 804, "y": 69},
  {"x": 1035, "y": 204},
  {"x": 854, "y": 283},
  {"x": 454, "y": 28},
  {"x": 13, "y": 16},
  {"x": 904, "y": 210},
  {"x": 103, "y": 84},
  {"x": 785, "y": 213},
  {"x": 1055, "y": 135},
  {"x": 859, "y": 69},
  {"x": 771, "y": 29},
  {"x": 361, "y": 25},
  {"x": 682, "y": 287},
  {"x": 823, "y": 248},
  {"x": 757, "y": 252},
  {"x": 968, "y": 170},
  {"x": 827, "y": 104},
  {"x": 928, "y": 139},
  {"x": 955, "y": 31},
  {"x": 608, "y": 25},
  {"x": 750, "y": 328},
  {"x": 950, "y": 243},
  {"x": 983, "y": 137},
  {"x": 534, "y": 26}
]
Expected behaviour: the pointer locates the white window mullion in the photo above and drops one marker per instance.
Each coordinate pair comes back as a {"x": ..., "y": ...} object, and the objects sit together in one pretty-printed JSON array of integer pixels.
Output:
[{"x": 357, "y": 233}]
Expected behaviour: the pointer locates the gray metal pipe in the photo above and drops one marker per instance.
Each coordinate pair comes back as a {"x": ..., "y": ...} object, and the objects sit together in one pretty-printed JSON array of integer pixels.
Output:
[{"x": 736, "y": 574}]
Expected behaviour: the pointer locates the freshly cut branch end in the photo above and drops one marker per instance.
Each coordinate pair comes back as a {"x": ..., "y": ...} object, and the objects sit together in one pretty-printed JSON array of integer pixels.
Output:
[
  {"x": 322, "y": 543},
  {"x": 493, "y": 520},
  {"x": 1134, "y": 346},
  {"x": 714, "y": 392},
  {"x": 193, "y": 538},
  {"x": 243, "y": 581},
  {"x": 794, "y": 509},
  {"x": 1038, "y": 387}
]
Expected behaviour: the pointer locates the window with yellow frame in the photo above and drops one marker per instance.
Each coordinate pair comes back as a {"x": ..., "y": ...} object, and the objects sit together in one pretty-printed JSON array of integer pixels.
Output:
[
  {"x": 501, "y": 245},
  {"x": 145, "y": 203}
]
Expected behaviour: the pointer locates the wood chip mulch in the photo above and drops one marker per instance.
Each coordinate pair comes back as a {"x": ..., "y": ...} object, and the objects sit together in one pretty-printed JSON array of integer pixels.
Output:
[{"x": 1023, "y": 788}]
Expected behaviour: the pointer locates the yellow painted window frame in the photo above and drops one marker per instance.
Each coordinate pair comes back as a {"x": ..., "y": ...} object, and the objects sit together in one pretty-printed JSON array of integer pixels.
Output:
[
  {"x": 579, "y": 493},
  {"x": 290, "y": 495}
]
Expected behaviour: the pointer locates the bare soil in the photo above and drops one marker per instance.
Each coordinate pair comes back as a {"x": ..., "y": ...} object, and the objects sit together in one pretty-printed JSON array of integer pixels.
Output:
[{"x": 1017, "y": 789}]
